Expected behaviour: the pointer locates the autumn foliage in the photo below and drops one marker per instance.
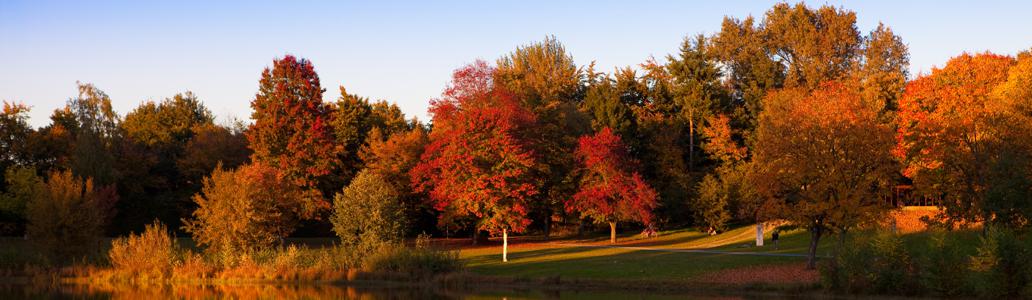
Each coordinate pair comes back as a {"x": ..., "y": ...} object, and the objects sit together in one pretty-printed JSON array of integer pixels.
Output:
[
  {"x": 823, "y": 158},
  {"x": 479, "y": 161},
  {"x": 247, "y": 209},
  {"x": 955, "y": 134},
  {"x": 292, "y": 130},
  {"x": 611, "y": 189}
]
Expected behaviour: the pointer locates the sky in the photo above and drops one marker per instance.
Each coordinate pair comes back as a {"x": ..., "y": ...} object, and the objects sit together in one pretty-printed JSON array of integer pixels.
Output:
[{"x": 402, "y": 52}]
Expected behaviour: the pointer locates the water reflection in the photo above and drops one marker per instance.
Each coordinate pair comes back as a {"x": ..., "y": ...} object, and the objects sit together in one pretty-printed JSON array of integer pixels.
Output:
[{"x": 316, "y": 291}]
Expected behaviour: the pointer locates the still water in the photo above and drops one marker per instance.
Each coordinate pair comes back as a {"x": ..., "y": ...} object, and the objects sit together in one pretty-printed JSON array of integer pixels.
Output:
[{"x": 323, "y": 291}]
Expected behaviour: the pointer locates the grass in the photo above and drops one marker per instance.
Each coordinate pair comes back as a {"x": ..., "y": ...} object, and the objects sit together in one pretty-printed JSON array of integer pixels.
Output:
[{"x": 558, "y": 259}]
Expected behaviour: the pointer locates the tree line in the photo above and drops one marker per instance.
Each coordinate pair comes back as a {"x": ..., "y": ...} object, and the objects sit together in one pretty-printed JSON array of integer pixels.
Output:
[{"x": 797, "y": 115}]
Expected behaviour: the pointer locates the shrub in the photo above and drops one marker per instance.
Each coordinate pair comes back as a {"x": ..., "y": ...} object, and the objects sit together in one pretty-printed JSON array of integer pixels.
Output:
[
  {"x": 421, "y": 260},
  {"x": 1002, "y": 267},
  {"x": 943, "y": 266},
  {"x": 872, "y": 263},
  {"x": 193, "y": 267},
  {"x": 368, "y": 214},
  {"x": 246, "y": 210},
  {"x": 151, "y": 254},
  {"x": 68, "y": 217}
]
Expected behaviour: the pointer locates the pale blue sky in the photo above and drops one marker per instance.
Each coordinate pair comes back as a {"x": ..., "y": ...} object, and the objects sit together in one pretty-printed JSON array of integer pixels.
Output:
[{"x": 403, "y": 52}]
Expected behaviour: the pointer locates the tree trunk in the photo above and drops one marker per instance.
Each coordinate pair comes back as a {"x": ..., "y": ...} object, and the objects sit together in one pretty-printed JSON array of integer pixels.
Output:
[
  {"x": 612, "y": 232},
  {"x": 474, "y": 238},
  {"x": 811, "y": 255},
  {"x": 691, "y": 143},
  {"x": 548, "y": 224},
  {"x": 759, "y": 234},
  {"x": 505, "y": 245}
]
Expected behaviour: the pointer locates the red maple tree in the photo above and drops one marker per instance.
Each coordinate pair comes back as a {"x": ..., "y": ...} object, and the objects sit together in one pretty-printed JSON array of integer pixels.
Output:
[
  {"x": 611, "y": 188},
  {"x": 291, "y": 129},
  {"x": 479, "y": 161}
]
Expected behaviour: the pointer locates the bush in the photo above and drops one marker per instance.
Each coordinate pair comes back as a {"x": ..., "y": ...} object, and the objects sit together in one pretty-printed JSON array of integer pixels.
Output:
[
  {"x": 1002, "y": 266},
  {"x": 421, "y": 260},
  {"x": 246, "y": 210},
  {"x": 944, "y": 265},
  {"x": 872, "y": 263},
  {"x": 67, "y": 218},
  {"x": 368, "y": 214},
  {"x": 151, "y": 254}
]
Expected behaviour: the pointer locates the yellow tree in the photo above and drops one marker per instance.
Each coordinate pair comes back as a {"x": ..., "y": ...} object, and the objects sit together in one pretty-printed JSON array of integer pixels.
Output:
[{"x": 823, "y": 158}]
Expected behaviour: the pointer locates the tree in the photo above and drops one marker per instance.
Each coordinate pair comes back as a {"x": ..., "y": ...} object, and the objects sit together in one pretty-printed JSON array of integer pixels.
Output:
[
  {"x": 823, "y": 158},
  {"x": 802, "y": 47},
  {"x": 952, "y": 132},
  {"x": 246, "y": 209},
  {"x": 883, "y": 72},
  {"x": 611, "y": 191},
  {"x": 95, "y": 134},
  {"x": 392, "y": 159},
  {"x": 155, "y": 137},
  {"x": 168, "y": 123},
  {"x": 15, "y": 133},
  {"x": 544, "y": 80},
  {"x": 21, "y": 186},
  {"x": 696, "y": 84},
  {"x": 541, "y": 75},
  {"x": 67, "y": 217},
  {"x": 368, "y": 213},
  {"x": 210, "y": 146},
  {"x": 351, "y": 125},
  {"x": 725, "y": 193},
  {"x": 292, "y": 130},
  {"x": 480, "y": 161}
]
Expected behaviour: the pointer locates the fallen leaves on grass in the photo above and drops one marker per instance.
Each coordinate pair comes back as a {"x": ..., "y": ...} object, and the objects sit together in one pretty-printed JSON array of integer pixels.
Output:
[{"x": 767, "y": 274}]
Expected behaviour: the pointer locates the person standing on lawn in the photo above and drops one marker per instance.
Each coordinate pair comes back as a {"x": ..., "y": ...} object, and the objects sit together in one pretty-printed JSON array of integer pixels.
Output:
[{"x": 774, "y": 238}]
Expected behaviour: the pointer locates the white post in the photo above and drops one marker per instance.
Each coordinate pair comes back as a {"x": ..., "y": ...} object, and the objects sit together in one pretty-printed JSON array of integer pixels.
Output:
[
  {"x": 759, "y": 234},
  {"x": 505, "y": 245}
]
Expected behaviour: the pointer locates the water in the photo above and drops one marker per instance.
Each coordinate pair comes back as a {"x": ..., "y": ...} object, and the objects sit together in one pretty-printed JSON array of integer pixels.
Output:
[{"x": 326, "y": 291}]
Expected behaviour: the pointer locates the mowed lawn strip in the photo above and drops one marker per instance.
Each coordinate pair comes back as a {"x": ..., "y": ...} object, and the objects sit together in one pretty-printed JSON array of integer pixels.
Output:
[{"x": 564, "y": 259}]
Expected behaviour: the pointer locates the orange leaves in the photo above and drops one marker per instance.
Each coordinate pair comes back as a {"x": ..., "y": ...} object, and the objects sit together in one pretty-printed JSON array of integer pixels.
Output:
[
  {"x": 939, "y": 113},
  {"x": 822, "y": 155},
  {"x": 720, "y": 143}
]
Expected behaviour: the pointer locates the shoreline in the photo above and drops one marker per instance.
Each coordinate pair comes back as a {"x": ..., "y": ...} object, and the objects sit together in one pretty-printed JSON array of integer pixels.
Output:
[{"x": 460, "y": 281}]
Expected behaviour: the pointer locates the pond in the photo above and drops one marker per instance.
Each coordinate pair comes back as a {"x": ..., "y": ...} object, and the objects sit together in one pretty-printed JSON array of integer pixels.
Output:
[{"x": 329, "y": 291}]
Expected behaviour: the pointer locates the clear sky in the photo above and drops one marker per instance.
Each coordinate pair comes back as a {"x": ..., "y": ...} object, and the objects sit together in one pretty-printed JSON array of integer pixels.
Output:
[{"x": 402, "y": 52}]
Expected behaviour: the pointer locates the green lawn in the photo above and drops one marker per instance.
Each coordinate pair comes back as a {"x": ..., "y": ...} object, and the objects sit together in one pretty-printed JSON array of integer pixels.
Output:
[{"x": 543, "y": 259}]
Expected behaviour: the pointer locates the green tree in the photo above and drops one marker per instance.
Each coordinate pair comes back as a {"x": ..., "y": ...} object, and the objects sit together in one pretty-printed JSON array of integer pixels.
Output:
[
  {"x": 95, "y": 134},
  {"x": 15, "y": 133},
  {"x": 697, "y": 88},
  {"x": 351, "y": 115},
  {"x": 368, "y": 213},
  {"x": 545, "y": 80},
  {"x": 21, "y": 186}
]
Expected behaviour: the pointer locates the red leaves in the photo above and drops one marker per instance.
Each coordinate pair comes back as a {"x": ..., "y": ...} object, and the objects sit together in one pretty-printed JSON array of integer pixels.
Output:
[
  {"x": 291, "y": 130},
  {"x": 479, "y": 161},
  {"x": 611, "y": 190}
]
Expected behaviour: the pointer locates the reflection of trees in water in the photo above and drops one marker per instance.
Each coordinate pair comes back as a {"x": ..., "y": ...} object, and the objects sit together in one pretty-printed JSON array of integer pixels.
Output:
[{"x": 219, "y": 291}]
